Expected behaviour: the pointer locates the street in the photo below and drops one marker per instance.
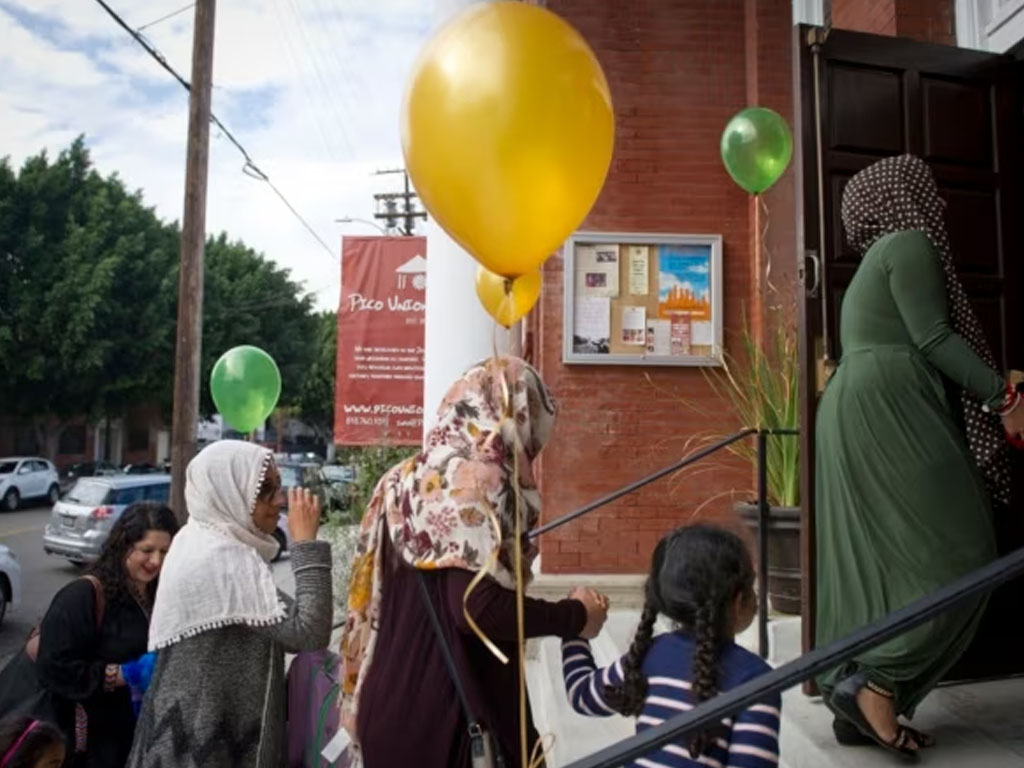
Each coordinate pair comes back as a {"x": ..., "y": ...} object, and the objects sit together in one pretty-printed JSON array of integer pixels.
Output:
[{"x": 41, "y": 575}]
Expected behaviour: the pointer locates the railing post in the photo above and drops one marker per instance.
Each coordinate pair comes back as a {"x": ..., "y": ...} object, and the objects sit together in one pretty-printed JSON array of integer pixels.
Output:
[{"x": 762, "y": 543}]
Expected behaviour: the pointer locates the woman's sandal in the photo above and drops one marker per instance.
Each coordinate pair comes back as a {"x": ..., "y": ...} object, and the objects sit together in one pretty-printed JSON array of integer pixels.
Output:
[
  {"x": 848, "y": 735},
  {"x": 843, "y": 702}
]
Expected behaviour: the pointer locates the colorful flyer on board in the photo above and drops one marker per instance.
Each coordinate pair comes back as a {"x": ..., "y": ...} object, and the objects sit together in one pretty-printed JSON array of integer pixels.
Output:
[{"x": 634, "y": 326}]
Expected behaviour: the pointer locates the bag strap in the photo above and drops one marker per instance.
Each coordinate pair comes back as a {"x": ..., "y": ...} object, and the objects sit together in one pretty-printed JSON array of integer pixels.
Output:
[
  {"x": 449, "y": 660},
  {"x": 99, "y": 602},
  {"x": 99, "y": 599}
]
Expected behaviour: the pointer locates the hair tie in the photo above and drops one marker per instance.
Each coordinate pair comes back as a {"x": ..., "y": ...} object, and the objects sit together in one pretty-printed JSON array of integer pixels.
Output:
[{"x": 17, "y": 744}]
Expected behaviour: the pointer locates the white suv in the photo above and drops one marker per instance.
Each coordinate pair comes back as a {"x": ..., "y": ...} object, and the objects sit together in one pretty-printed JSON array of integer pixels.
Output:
[{"x": 27, "y": 477}]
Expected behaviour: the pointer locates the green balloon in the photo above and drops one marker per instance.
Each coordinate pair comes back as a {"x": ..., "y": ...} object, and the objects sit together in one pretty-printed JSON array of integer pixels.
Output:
[
  {"x": 245, "y": 384},
  {"x": 756, "y": 148}
]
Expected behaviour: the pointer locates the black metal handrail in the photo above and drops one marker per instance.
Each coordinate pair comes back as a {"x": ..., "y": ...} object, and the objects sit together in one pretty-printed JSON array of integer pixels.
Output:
[
  {"x": 762, "y": 506},
  {"x": 819, "y": 660}
]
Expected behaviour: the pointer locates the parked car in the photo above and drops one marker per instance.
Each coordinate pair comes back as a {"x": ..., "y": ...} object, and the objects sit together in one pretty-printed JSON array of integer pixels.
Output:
[
  {"x": 82, "y": 519},
  {"x": 338, "y": 474},
  {"x": 10, "y": 581},
  {"x": 27, "y": 477},
  {"x": 87, "y": 469},
  {"x": 142, "y": 469}
]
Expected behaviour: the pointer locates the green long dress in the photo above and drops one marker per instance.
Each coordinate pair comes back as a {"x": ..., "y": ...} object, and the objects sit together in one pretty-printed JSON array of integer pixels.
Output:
[{"x": 901, "y": 507}]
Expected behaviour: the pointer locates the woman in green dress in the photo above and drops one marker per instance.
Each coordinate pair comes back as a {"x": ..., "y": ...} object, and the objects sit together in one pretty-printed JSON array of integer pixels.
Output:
[{"x": 903, "y": 489}]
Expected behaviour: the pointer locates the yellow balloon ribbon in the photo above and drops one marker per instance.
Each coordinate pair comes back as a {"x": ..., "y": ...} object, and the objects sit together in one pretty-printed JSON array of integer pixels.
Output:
[
  {"x": 483, "y": 573},
  {"x": 507, "y": 130}
]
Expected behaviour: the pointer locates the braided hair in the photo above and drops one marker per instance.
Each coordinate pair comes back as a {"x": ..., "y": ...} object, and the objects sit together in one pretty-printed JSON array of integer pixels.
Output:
[
  {"x": 697, "y": 572},
  {"x": 628, "y": 698}
]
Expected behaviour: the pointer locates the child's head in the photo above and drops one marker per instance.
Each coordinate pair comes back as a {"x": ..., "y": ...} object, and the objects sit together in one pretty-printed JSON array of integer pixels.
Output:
[
  {"x": 29, "y": 743},
  {"x": 703, "y": 579}
]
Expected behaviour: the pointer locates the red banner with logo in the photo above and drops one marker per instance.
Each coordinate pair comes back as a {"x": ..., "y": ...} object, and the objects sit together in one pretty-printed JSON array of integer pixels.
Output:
[{"x": 380, "y": 341}]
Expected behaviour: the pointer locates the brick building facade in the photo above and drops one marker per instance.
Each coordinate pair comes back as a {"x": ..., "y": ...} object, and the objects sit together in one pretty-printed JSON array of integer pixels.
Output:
[{"x": 678, "y": 71}]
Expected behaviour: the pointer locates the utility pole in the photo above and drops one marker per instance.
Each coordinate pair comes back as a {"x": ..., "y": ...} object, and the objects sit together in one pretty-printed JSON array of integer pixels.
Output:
[
  {"x": 390, "y": 200},
  {"x": 193, "y": 239}
]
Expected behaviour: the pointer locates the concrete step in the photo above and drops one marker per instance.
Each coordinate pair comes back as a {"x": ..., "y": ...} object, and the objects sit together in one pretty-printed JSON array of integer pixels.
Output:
[{"x": 980, "y": 725}]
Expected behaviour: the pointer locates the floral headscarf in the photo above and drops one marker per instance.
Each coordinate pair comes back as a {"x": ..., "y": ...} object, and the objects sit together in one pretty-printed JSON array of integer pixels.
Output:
[
  {"x": 899, "y": 193},
  {"x": 439, "y": 507}
]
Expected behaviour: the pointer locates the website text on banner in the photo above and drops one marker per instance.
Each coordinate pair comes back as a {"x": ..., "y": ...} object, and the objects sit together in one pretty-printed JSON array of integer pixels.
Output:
[{"x": 380, "y": 341}]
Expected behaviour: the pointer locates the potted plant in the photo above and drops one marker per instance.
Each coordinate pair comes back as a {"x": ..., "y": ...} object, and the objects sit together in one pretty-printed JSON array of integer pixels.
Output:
[{"x": 761, "y": 385}]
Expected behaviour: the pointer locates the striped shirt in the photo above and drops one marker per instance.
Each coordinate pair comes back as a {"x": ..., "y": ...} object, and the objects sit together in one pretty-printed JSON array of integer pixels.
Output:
[{"x": 750, "y": 740}]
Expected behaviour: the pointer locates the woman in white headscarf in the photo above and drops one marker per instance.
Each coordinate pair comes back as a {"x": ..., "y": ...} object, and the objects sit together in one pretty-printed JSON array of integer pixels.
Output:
[{"x": 221, "y": 626}]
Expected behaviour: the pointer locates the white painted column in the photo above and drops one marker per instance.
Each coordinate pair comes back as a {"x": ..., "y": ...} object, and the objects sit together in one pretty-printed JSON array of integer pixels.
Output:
[{"x": 458, "y": 331}]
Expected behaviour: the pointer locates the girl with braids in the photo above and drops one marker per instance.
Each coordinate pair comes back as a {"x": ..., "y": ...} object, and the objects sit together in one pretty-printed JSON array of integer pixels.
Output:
[
  {"x": 92, "y": 635},
  {"x": 703, "y": 580},
  {"x": 906, "y": 473}
]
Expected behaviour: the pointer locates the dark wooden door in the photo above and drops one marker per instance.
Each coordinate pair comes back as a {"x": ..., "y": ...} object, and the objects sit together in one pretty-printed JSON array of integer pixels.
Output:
[{"x": 960, "y": 110}]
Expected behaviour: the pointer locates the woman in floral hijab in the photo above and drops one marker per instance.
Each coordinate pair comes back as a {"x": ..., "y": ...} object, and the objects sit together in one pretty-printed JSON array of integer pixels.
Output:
[{"x": 449, "y": 512}]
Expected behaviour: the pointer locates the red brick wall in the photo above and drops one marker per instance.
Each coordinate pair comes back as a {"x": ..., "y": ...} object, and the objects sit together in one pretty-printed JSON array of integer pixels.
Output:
[
  {"x": 678, "y": 71},
  {"x": 875, "y": 16},
  {"x": 932, "y": 21}
]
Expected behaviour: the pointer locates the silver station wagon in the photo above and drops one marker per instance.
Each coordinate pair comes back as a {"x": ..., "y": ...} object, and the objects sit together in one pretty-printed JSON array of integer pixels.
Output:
[{"x": 82, "y": 519}]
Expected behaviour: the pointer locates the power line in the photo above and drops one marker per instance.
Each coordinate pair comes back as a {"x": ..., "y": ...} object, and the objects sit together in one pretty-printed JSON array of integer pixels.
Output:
[
  {"x": 170, "y": 15},
  {"x": 250, "y": 168}
]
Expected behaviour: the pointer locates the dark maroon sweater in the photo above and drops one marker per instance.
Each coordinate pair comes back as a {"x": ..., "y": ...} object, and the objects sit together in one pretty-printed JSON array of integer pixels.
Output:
[{"x": 409, "y": 713}]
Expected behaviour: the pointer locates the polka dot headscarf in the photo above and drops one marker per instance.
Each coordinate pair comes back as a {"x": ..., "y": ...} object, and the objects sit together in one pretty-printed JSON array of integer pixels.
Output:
[{"x": 900, "y": 193}]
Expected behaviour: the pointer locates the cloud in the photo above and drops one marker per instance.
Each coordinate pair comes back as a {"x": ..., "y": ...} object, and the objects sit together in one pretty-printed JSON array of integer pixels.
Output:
[{"x": 311, "y": 88}]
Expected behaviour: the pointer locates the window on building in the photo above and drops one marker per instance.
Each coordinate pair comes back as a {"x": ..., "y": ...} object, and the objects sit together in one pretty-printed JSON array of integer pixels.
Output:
[{"x": 72, "y": 440}]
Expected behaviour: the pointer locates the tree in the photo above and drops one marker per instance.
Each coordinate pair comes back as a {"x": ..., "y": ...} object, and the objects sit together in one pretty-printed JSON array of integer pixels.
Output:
[
  {"x": 249, "y": 300},
  {"x": 88, "y": 293},
  {"x": 85, "y": 307},
  {"x": 316, "y": 398}
]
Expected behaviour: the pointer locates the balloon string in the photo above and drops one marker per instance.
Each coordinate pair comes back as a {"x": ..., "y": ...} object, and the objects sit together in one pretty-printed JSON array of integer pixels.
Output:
[
  {"x": 488, "y": 569},
  {"x": 492, "y": 516},
  {"x": 764, "y": 244},
  {"x": 517, "y": 555}
]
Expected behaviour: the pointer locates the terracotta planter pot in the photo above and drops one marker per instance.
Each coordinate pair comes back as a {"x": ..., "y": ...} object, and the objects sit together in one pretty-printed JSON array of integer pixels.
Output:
[{"x": 783, "y": 554}]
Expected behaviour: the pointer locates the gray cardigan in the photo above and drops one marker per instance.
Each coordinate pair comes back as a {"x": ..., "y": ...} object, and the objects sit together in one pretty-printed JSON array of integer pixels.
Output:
[{"x": 218, "y": 699}]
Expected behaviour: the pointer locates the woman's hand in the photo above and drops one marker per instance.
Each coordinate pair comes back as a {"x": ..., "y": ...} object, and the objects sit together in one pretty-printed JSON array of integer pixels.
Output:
[
  {"x": 303, "y": 514},
  {"x": 597, "y": 610},
  {"x": 1013, "y": 422}
]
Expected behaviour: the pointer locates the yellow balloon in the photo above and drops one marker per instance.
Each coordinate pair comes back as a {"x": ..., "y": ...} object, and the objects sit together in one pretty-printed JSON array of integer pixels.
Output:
[
  {"x": 507, "y": 300},
  {"x": 507, "y": 130}
]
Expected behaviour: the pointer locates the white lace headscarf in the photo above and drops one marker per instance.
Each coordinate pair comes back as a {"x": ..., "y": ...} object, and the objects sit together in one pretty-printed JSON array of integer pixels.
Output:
[{"x": 216, "y": 574}]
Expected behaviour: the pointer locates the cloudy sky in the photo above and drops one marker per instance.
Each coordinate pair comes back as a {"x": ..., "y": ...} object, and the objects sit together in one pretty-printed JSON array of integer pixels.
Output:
[{"x": 311, "y": 88}]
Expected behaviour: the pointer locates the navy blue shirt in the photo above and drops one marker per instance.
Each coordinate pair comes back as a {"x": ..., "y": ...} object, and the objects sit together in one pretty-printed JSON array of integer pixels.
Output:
[{"x": 750, "y": 740}]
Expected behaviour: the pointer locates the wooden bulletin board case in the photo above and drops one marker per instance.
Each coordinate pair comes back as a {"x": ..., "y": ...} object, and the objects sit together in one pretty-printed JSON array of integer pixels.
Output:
[{"x": 643, "y": 299}]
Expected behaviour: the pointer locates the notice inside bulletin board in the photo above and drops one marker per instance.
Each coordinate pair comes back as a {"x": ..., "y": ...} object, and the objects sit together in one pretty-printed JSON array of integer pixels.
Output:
[{"x": 643, "y": 299}]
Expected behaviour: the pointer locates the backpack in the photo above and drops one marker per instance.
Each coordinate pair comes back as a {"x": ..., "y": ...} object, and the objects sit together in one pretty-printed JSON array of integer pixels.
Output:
[{"x": 313, "y": 714}]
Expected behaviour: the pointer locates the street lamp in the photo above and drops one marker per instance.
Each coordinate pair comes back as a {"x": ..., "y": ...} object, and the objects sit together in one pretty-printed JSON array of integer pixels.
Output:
[{"x": 353, "y": 220}]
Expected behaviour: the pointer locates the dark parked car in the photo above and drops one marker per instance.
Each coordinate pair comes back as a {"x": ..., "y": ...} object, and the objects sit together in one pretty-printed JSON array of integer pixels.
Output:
[{"x": 87, "y": 469}]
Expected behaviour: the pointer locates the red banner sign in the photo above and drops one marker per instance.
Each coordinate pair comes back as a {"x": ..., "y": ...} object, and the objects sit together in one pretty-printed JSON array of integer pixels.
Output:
[{"x": 380, "y": 341}]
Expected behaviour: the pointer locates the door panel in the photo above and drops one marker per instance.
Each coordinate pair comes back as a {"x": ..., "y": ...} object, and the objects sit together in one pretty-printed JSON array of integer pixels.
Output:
[{"x": 960, "y": 111}]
